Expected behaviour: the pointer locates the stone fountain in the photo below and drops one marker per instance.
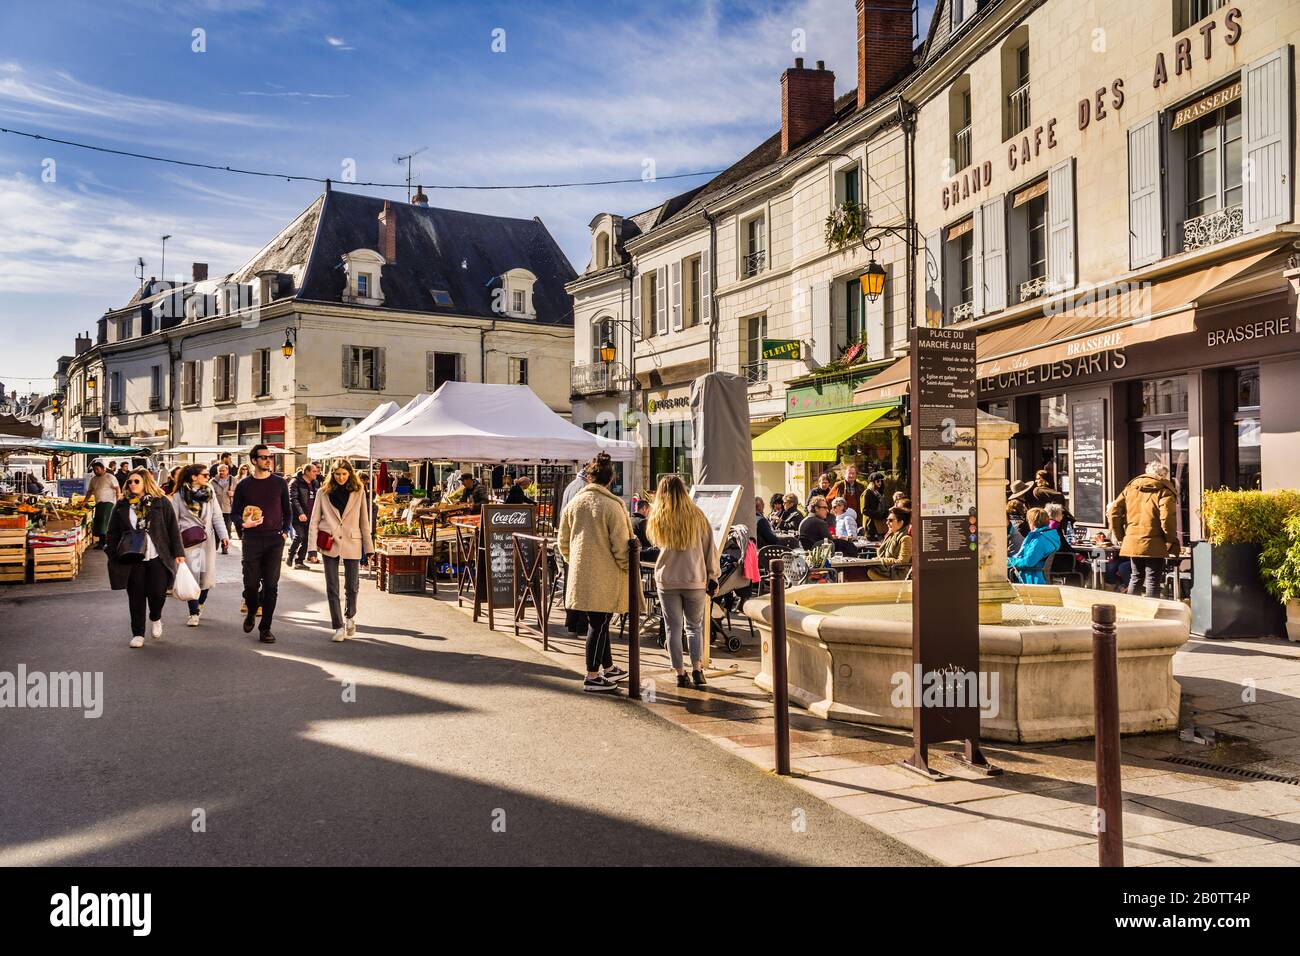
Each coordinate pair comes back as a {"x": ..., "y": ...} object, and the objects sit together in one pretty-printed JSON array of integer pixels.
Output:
[{"x": 848, "y": 644}]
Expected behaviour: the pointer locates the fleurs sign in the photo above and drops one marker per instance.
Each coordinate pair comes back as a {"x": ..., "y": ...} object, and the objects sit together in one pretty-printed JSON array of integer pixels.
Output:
[{"x": 780, "y": 349}]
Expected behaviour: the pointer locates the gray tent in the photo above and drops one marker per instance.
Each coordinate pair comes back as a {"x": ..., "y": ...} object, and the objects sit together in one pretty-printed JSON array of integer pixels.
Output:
[{"x": 722, "y": 447}]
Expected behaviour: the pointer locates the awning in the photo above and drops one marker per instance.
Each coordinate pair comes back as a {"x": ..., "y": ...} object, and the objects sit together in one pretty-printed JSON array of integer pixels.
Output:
[
  {"x": 46, "y": 446},
  {"x": 1103, "y": 319},
  {"x": 815, "y": 437}
]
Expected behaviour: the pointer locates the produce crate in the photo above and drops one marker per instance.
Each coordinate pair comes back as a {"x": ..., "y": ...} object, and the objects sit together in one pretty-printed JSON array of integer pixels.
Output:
[
  {"x": 13, "y": 522},
  {"x": 55, "y": 564},
  {"x": 404, "y": 583},
  {"x": 398, "y": 564},
  {"x": 13, "y": 556}
]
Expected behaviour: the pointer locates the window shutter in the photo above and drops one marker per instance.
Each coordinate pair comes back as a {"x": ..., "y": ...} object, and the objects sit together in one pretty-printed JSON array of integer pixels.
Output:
[
  {"x": 231, "y": 369},
  {"x": 661, "y": 300},
  {"x": 873, "y": 320},
  {"x": 1145, "y": 221},
  {"x": 822, "y": 334},
  {"x": 706, "y": 298},
  {"x": 677, "y": 295},
  {"x": 1062, "y": 273},
  {"x": 994, "y": 214},
  {"x": 198, "y": 382},
  {"x": 381, "y": 369},
  {"x": 1266, "y": 141},
  {"x": 258, "y": 354},
  {"x": 349, "y": 379},
  {"x": 636, "y": 302},
  {"x": 977, "y": 261},
  {"x": 933, "y": 260},
  {"x": 430, "y": 358}
]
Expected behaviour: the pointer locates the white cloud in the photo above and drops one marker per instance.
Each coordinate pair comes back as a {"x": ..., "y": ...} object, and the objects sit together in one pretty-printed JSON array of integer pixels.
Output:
[{"x": 338, "y": 43}]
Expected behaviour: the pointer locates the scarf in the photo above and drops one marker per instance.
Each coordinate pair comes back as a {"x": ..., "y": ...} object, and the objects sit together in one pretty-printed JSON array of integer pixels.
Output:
[
  {"x": 195, "y": 497},
  {"x": 141, "y": 505}
]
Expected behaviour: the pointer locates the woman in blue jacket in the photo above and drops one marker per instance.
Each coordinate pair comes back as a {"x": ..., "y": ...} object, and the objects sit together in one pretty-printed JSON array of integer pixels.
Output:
[{"x": 1040, "y": 544}]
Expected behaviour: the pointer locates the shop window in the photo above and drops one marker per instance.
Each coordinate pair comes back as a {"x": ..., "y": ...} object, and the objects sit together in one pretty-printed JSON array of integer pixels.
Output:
[
  {"x": 227, "y": 433},
  {"x": 755, "y": 370},
  {"x": 670, "y": 451},
  {"x": 1241, "y": 440},
  {"x": 1164, "y": 396},
  {"x": 273, "y": 432},
  {"x": 250, "y": 432}
]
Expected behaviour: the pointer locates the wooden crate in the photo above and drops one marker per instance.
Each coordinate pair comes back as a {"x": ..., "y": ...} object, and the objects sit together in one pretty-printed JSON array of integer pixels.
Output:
[{"x": 55, "y": 564}]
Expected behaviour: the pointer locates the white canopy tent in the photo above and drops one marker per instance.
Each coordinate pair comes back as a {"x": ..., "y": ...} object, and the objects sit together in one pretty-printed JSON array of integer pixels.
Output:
[
  {"x": 473, "y": 422},
  {"x": 352, "y": 443},
  {"x": 181, "y": 450}
]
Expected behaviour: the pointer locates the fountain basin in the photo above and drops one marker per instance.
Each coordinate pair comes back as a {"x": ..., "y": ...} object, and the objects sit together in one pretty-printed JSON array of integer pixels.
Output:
[{"x": 847, "y": 642}]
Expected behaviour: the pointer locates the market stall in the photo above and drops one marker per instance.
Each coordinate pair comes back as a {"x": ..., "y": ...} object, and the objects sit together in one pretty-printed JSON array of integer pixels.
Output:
[{"x": 352, "y": 443}]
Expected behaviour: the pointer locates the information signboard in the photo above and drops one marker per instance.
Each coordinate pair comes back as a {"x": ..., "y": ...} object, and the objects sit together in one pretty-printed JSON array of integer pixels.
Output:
[
  {"x": 719, "y": 504},
  {"x": 497, "y": 551},
  {"x": 1088, "y": 461},
  {"x": 945, "y": 539},
  {"x": 780, "y": 350}
]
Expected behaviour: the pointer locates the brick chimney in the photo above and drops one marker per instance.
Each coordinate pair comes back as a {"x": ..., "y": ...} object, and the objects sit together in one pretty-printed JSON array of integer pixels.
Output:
[
  {"x": 82, "y": 343},
  {"x": 388, "y": 233},
  {"x": 807, "y": 102},
  {"x": 884, "y": 45},
  {"x": 420, "y": 199},
  {"x": 200, "y": 271}
]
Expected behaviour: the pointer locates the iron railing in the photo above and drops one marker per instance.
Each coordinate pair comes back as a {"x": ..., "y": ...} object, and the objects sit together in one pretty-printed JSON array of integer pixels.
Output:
[
  {"x": 599, "y": 378},
  {"x": 1213, "y": 228},
  {"x": 755, "y": 372},
  {"x": 1033, "y": 288},
  {"x": 754, "y": 263},
  {"x": 961, "y": 151},
  {"x": 1018, "y": 109}
]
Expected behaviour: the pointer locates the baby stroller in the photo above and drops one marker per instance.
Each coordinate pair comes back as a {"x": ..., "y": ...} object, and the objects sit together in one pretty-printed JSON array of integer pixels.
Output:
[{"x": 732, "y": 592}]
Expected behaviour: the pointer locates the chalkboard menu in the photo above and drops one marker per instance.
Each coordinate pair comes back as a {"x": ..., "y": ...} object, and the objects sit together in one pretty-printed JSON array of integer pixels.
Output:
[
  {"x": 497, "y": 524},
  {"x": 1088, "y": 461}
]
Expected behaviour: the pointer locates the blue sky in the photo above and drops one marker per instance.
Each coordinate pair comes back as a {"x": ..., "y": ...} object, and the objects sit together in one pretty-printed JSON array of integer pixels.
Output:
[{"x": 583, "y": 90}]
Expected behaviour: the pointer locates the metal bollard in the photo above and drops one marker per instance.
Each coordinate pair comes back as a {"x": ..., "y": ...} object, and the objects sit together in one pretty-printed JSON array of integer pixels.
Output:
[
  {"x": 1105, "y": 708},
  {"x": 780, "y": 680},
  {"x": 634, "y": 619}
]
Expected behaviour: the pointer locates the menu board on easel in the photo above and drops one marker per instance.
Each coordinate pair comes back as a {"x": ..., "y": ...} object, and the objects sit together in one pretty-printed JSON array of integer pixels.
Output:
[
  {"x": 496, "y": 581},
  {"x": 719, "y": 504},
  {"x": 1088, "y": 461}
]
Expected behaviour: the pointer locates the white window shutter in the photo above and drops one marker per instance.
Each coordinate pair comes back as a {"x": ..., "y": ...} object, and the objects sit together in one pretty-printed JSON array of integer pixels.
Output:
[
  {"x": 429, "y": 359},
  {"x": 706, "y": 297},
  {"x": 661, "y": 300},
  {"x": 1062, "y": 270},
  {"x": 822, "y": 334},
  {"x": 258, "y": 355},
  {"x": 1145, "y": 210},
  {"x": 231, "y": 369},
  {"x": 933, "y": 261},
  {"x": 381, "y": 369},
  {"x": 873, "y": 314},
  {"x": 198, "y": 382},
  {"x": 348, "y": 378},
  {"x": 994, "y": 214},
  {"x": 636, "y": 302},
  {"x": 977, "y": 260},
  {"x": 1266, "y": 141},
  {"x": 677, "y": 295}
]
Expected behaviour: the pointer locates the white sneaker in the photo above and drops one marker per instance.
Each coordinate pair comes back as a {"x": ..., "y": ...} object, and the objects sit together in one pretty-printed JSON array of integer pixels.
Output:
[
  {"x": 351, "y": 624},
  {"x": 193, "y": 621},
  {"x": 155, "y": 630},
  {"x": 137, "y": 641},
  {"x": 340, "y": 635}
]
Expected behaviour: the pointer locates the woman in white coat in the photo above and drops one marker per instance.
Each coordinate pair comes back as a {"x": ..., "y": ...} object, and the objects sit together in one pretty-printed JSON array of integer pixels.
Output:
[
  {"x": 202, "y": 527},
  {"x": 340, "y": 531}
]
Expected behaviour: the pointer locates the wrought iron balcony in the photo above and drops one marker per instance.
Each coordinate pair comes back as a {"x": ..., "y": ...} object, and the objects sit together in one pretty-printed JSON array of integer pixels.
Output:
[
  {"x": 155, "y": 402},
  {"x": 1212, "y": 228},
  {"x": 963, "y": 311},
  {"x": 754, "y": 263},
  {"x": 961, "y": 148},
  {"x": 755, "y": 373},
  {"x": 1018, "y": 109},
  {"x": 599, "y": 378},
  {"x": 1033, "y": 288}
]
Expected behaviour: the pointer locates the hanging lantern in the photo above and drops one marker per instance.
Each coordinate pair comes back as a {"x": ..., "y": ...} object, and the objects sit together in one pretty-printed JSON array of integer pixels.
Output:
[{"x": 873, "y": 280}]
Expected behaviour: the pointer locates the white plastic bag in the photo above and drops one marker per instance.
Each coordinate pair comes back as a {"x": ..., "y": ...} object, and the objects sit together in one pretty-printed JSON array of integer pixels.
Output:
[{"x": 184, "y": 586}]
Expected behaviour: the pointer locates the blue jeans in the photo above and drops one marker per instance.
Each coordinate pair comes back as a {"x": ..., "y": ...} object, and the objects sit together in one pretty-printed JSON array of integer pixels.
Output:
[
  {"x": 195, "y": 605},
  {"x": 684, "y": 610}
]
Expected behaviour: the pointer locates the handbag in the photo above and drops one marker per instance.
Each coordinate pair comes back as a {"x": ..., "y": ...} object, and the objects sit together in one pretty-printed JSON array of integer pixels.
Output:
[
  {"x": 324, "y": 541},
  {"x": 132, "y": 546},
  {"x": 193, "y": 536}
]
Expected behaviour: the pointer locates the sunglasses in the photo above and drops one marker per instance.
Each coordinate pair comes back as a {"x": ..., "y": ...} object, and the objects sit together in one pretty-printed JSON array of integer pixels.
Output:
[{"x": 262, "y": 458}]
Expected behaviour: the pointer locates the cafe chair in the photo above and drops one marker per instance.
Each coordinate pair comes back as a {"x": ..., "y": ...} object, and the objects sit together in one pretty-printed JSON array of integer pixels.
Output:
[
  {"x": 1064, "y": 566},
  {"x": 765, "y": 558}
]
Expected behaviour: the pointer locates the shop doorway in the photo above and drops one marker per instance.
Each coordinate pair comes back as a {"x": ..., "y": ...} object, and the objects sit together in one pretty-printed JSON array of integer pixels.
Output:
[{"x": 1162, "y": 436}]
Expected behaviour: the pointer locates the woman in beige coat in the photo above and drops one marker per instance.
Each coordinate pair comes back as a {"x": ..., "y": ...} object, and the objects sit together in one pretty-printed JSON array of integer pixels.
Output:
[
  {"x": 592, "y": 538},
  {"x": 342, "y": 514}
]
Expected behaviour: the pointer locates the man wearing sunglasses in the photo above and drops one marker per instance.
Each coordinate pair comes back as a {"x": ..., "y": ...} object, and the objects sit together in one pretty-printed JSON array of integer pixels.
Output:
[{"x": 263, "y": 537}]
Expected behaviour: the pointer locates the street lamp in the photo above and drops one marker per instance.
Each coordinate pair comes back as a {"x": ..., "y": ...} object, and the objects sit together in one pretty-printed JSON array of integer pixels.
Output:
[
  {"x": 290, "y": 337},
  {"x": 873, "y": 280},
  {"x": 608, "y": 352}
]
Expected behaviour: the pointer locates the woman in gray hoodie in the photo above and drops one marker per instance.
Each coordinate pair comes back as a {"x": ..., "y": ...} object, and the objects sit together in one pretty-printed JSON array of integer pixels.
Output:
[{"x": 686, "y": 571}]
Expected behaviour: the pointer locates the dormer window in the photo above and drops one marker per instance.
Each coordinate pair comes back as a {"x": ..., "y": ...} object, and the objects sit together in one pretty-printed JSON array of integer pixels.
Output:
[
  {"x": 363, "y": 269},
  {"x": 516, "y": 299}
]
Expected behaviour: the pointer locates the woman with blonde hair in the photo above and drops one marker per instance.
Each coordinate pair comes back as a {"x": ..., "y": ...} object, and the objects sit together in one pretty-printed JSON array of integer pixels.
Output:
[
  {"x": 686, "y": 571},
  {"x": 144, "y": 549},
  {"x": 340, "y": 531}
]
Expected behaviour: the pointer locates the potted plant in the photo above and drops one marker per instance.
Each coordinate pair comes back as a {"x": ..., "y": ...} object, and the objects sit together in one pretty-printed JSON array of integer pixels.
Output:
[
  {"x": 845, "y": 225},
  {"x": 1229, "y": 599},
  {"x": 1279, "y": 565}
]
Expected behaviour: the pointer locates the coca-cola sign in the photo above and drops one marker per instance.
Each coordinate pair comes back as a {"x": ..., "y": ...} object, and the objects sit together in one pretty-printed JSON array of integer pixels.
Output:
[{"x": 511, "y": 519}]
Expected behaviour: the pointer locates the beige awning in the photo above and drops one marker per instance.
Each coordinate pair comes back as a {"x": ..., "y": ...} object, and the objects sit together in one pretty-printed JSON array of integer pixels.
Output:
[
  {"x": 1032, "y": 191},
  {"x": 1107, "y": 318},
  {"x": 961, "y": 228}
]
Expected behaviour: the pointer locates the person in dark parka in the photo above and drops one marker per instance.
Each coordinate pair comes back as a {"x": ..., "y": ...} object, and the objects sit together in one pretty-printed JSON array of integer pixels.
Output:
[{"x": 146, "y": 581}]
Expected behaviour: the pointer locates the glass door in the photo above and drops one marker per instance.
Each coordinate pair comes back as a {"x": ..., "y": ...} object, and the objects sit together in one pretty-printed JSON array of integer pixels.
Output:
[{"x": 1167, "y": 443}]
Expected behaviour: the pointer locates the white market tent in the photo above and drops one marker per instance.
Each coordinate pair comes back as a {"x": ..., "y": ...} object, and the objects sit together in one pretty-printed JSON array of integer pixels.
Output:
[
  {"x": 469, "y": 421},
  {"x": 180, "y": 450},
  {"x": 352, "y": 443}
]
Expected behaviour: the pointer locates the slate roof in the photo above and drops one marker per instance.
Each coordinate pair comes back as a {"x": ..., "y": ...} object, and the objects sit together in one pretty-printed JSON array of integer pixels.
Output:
[{"x": 463, "y": 253}]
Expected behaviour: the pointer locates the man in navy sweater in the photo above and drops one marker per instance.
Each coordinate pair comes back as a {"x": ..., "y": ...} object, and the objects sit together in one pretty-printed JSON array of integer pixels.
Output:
[{"x": 263, "y": 538}]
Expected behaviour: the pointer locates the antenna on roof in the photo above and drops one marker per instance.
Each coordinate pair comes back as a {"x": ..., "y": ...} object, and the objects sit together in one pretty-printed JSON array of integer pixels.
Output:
[
  {"x": 139, "y": 269},
  {"x": 407, "y": 159}
]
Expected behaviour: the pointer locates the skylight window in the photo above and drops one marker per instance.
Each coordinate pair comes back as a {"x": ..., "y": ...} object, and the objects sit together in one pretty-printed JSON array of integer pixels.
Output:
[{"x": 441, "y": 297}]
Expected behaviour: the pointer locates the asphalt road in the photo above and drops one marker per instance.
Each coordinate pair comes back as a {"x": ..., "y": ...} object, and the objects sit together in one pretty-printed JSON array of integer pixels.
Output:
[{"x": 460, "y": 747}]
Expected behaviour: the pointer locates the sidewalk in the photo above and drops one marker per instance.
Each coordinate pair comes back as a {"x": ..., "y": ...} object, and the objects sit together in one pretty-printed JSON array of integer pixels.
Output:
[{"x": 1186, "y": 803}]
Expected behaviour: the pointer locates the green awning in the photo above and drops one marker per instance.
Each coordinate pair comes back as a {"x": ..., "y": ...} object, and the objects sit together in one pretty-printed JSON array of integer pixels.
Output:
[{"x": 815, "y": 437}]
